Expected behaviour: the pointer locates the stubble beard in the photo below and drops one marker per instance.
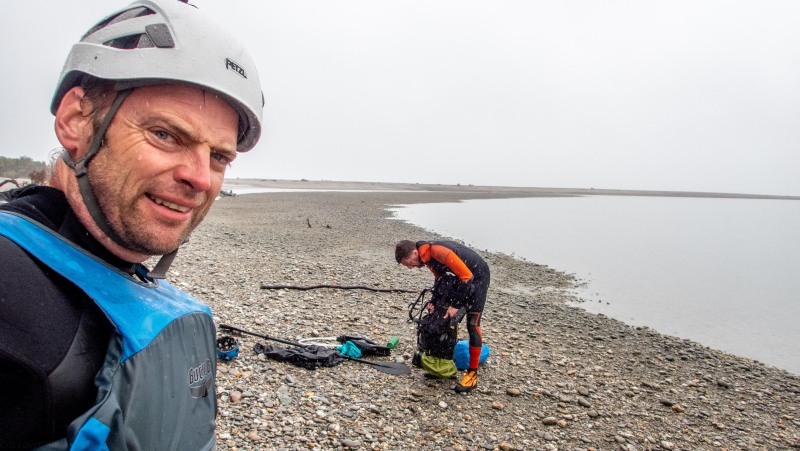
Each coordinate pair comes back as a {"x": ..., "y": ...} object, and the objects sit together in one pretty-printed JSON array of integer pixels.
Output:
[{"x": 120, "y": 208}]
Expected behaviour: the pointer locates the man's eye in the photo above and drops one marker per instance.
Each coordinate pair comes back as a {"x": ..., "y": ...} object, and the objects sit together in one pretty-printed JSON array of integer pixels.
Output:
[
  {"x": 162, "y": 135},
  {"x": 221, "y": 158}
]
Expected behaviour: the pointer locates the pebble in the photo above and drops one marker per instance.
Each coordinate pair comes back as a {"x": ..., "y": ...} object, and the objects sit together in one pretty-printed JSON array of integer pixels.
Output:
[
  {"x": 235, "y": 396},
  {"x": 593, "y": 377},
  {"x": 350, "y": 443}
]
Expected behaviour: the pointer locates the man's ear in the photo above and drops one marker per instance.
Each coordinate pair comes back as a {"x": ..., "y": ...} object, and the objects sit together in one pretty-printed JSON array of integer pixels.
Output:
[{"x": 74, "y": 123}]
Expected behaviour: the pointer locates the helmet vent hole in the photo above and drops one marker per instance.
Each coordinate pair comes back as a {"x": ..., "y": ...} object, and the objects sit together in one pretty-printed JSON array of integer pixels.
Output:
[
  {"x": 124, "y": 15},
  {"x": 138, "y": 41}
]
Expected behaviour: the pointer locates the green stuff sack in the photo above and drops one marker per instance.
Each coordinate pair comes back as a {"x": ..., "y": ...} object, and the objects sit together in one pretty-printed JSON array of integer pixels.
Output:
[{"x": 443, "y": 368}]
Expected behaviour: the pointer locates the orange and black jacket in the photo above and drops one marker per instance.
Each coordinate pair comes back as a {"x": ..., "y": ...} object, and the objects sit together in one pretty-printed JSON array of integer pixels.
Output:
[{"x": 443, "y": 257}]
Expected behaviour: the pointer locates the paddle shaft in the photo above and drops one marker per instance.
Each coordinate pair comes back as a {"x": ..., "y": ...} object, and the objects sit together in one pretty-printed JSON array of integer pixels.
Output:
[{"x": 266, "y": 337}]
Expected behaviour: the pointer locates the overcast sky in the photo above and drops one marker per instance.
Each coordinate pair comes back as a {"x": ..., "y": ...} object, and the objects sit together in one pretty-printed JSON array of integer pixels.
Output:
[{"x": 693, "y": 95}]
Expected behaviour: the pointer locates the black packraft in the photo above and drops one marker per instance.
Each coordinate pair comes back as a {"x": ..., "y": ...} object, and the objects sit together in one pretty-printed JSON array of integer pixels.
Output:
[
  {"x": 310, "y": 357},
  {"x": 436, "y": 335}
]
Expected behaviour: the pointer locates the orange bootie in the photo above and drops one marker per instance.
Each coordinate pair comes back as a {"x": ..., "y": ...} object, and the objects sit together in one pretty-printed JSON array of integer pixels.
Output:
[{"x": 468, "y": 382}]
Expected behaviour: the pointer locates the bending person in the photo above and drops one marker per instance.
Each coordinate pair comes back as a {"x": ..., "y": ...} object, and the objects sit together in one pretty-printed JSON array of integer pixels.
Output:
[{"x": 449, "y": 257}]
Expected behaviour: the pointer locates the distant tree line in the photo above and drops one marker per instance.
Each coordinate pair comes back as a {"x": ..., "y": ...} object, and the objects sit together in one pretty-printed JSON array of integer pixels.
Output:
[{"x": 23, "y": 167}]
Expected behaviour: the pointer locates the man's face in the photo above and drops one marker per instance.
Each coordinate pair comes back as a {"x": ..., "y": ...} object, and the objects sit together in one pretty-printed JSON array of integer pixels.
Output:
[
  {"x": 412, "y": 261},
  {"x": 162, "y": 164}
]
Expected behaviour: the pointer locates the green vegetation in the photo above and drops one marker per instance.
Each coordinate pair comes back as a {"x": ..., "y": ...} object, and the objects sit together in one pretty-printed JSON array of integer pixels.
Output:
[{"x": 23, "y": 167}]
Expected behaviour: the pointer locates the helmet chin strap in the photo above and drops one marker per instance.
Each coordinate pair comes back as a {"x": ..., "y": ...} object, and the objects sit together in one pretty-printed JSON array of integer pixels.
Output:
[
  {"x": 81, "y": 168},
  {"x": 161, "y": 268}
]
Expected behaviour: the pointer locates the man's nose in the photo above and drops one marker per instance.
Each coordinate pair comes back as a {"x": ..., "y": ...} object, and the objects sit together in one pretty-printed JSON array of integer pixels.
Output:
[{"x": 195, "y": 170}]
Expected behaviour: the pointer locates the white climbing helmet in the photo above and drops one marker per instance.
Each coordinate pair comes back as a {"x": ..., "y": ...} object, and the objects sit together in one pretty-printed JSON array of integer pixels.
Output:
[{"x": 169, "y": 41}]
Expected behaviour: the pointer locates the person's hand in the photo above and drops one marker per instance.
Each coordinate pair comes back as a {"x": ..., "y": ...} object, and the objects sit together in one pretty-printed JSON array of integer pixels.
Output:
[
  {"x": 430, "y": 307},
  {"x": 451, "y": 311}
]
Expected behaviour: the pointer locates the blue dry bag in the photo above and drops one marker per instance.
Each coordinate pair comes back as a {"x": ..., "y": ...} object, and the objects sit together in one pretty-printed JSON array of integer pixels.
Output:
[{"x": 461, "y": 354}]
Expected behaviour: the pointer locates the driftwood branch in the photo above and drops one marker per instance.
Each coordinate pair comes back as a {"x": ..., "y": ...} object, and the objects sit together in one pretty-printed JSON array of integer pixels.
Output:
[
  {"x": 338, "y": 287},
  {"x": 10, "y": 181}
]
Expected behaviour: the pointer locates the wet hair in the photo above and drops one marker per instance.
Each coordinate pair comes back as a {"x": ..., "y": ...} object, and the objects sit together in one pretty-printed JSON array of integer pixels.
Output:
[
  {"x": 100, "y": 94},
  {"x": 403, "y": 250}
]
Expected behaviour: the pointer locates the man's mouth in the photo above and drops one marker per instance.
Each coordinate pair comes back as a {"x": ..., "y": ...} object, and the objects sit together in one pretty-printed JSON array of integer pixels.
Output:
[{"x": 170, "y": 205}]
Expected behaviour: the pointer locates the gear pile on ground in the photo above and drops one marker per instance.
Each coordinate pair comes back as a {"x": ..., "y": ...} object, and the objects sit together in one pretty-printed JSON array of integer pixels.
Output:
[{"x": 557, "y": 378}]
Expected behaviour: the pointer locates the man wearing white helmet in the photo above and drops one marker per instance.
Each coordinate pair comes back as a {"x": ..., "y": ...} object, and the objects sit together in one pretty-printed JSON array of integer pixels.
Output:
[{"x": 97, "y": 352}]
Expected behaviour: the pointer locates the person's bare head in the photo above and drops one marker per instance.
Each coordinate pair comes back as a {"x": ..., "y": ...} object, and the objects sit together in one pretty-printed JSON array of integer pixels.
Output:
[{"x": 406, "y": 253}]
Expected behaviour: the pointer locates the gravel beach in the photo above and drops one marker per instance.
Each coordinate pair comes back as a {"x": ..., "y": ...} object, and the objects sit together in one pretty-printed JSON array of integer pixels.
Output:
[{"x": 557, "y": 377}]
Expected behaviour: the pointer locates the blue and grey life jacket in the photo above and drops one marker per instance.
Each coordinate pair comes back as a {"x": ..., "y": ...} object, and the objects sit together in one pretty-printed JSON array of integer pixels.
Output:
[{"x": 156, "y": 387}]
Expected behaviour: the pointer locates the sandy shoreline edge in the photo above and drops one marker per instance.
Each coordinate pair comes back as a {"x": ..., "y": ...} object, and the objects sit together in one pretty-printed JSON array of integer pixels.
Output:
[
  {"x": 558, "y": 378},
  {"x": 505, "y": 191}
]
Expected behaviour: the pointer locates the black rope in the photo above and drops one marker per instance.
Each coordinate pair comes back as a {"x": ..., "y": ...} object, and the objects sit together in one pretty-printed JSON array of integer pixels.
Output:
[
  {"x": 340, "y": 287},
  {"x": 416, "y": 307}
]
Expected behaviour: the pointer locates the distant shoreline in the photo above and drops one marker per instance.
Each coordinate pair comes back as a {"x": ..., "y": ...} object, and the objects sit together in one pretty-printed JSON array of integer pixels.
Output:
[
  {"x": 482, "y": 191},
  {"x": 471, "y": 190}
]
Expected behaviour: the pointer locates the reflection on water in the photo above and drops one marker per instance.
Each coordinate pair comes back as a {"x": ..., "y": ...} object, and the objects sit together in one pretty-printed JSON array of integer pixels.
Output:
[{"x": 722, "y": 272}]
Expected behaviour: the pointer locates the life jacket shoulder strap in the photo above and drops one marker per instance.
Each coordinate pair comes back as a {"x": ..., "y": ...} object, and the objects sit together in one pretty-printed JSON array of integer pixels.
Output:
[{"x": 138, "y": 309}]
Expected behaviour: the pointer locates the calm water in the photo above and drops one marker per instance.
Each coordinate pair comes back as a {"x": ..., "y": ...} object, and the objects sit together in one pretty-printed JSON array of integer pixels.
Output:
[
  {"x": 721, "y": 272},
  {"x": 244, "y": 189}
]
